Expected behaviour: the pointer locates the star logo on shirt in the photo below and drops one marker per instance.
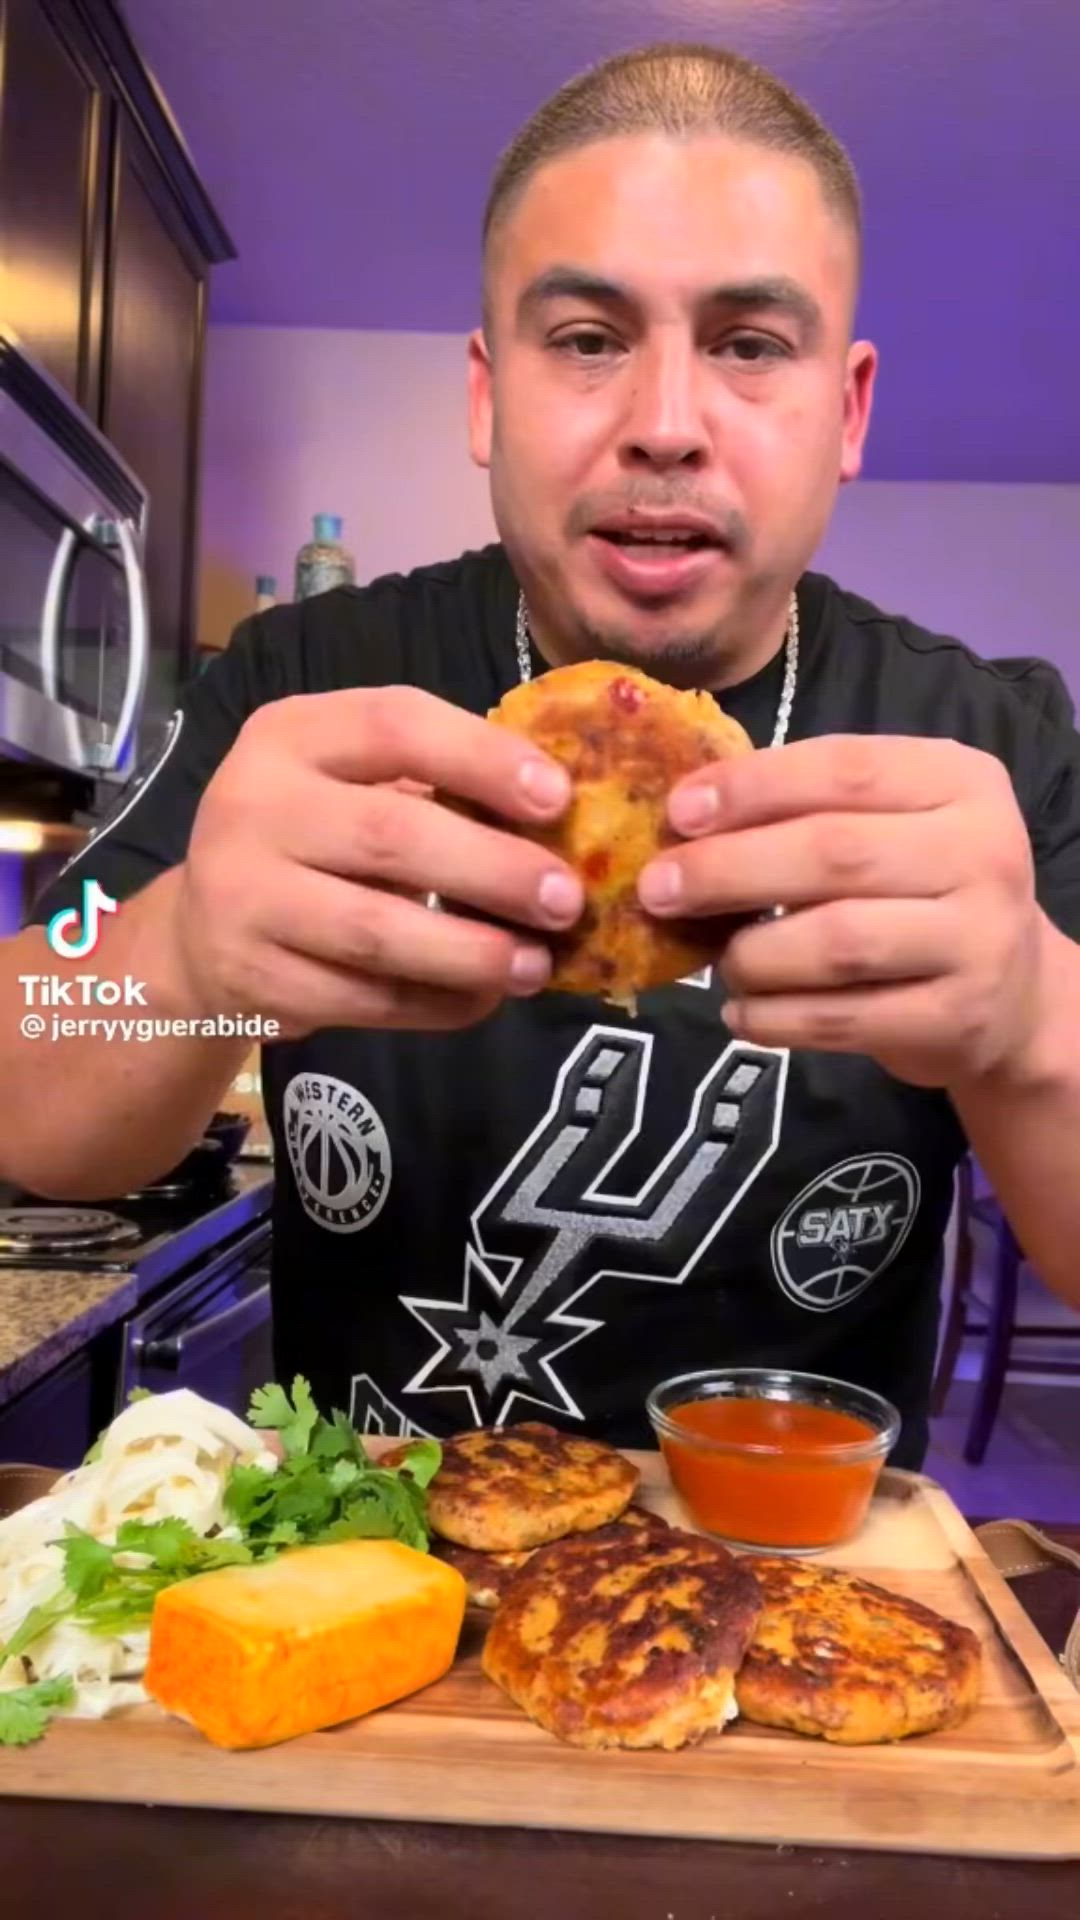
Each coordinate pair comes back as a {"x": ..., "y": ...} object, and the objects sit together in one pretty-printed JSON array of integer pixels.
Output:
[
  {"x": 493, "y": 1352},
  {"x": 473, "y": 1344}
]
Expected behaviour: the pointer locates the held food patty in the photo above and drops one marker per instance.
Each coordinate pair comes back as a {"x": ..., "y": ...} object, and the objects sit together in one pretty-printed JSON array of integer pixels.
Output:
[
  {"x": 628, "y": 1643},
  {"x": 502, "y": 1489},
  {"x": 488, "y": 1576},
  {"x": 626, "y": 740},
  {"x": 839, "y": 1658}
]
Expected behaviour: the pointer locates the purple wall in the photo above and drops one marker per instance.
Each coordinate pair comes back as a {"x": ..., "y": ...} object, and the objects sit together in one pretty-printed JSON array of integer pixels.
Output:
[
  {"x": 991, "y": 565},
  {"x": 349, "y": 148}
]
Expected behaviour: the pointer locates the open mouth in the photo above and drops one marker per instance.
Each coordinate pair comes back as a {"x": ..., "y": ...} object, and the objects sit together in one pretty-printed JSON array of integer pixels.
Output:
[
  {"x": 672, "y": 540},
  {"x": 650, "y": 562}
]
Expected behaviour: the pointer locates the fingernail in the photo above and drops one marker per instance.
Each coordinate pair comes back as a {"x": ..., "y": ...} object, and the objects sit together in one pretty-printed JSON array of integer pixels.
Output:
[
  {"x": 694, "y": 808},
  {"x": 660, "y": 885},
  {"x": 561, "y": 896},
  {"x": 732, "y": 1015},
  {"x": 530, "y": 968},
  {"x": 545, "y": 784}
]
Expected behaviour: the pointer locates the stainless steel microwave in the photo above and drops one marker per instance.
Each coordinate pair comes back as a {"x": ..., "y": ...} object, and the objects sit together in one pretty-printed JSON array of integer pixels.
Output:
[{"x": 74, "y": 636}]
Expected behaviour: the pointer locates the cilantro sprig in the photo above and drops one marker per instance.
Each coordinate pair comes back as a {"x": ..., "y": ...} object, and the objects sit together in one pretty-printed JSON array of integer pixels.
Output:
[
  {"x": 325, "y": 1488},
  {"x": 25, "y": 1712}
]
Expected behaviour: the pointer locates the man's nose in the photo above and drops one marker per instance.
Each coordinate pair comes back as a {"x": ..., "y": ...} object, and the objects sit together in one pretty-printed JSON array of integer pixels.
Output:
[{"x": 665, "y": 422}]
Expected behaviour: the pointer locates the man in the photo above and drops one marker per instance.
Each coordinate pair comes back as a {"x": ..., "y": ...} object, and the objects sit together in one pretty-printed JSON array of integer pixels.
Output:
[{"x": 495, "y": 1203}]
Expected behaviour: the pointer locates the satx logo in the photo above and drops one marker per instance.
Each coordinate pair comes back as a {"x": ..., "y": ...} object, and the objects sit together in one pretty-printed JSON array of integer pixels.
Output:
[
  {"x": 74, "y": 932},
  {"x": 844, "y": 1229}
]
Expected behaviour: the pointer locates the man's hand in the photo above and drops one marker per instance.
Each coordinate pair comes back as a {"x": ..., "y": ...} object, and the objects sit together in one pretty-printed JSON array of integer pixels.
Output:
[
  {"x": 911, "y": 931},
  {"x": 317, "y": 840}
]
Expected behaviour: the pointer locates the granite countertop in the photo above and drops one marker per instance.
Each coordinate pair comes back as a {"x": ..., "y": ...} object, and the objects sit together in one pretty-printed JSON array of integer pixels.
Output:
[{"x": 46, "y": 1315}]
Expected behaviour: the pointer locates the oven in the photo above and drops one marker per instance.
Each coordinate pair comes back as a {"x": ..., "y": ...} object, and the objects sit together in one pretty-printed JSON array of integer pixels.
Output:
[
  {"x": 210, "y": 1332},
  {"x": 74, "y": 637},
  {"x": 193, "y": 1260}
]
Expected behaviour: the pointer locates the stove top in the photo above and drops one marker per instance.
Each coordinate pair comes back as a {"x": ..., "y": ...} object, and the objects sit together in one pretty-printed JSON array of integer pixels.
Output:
[
  {"x": 52, "y": 1229},
  {"x": 152, "y": 1234}
]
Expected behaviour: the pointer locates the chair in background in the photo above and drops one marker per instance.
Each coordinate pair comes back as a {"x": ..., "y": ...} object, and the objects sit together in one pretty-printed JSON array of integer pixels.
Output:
[
  {"x": 1000, "y": 1328},
  {"x": 1042, "y": 687}
]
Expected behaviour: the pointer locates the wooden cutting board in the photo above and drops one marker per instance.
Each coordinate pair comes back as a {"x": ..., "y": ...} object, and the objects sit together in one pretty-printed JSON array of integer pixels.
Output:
[{"x": 1005, "y": 1783}]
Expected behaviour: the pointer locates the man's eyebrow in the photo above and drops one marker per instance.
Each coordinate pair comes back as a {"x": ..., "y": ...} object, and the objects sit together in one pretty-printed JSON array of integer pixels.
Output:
[
  {"x": 774, "y": 293},
  {"x": 571, "y": 283}
]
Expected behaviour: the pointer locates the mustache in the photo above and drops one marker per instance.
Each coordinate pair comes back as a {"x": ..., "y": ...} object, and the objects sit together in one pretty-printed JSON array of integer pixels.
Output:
[{"x": 729, "y": 526}]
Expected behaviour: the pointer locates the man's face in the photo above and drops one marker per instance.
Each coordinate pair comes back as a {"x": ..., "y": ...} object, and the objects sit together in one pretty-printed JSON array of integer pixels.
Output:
[{"x": 666, "y": 396}]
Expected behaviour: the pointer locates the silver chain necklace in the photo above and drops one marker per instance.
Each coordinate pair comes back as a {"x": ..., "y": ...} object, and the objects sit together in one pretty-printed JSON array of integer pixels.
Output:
[{"x": 791, "y": 663}]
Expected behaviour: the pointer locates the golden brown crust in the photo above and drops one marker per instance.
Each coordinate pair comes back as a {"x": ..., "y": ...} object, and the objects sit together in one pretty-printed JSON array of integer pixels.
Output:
[
  {"x": 626, "y": 740},
  {"x": 502, "y": 1489},
  {"x": 844, "y": 1660},
  {"x": 626, "y": 1643},
  {"x": 489, "y": 1575}
]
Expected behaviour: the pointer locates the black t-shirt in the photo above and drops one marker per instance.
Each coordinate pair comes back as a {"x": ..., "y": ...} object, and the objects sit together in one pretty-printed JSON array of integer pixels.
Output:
[{"x": 545, "y": 1215}]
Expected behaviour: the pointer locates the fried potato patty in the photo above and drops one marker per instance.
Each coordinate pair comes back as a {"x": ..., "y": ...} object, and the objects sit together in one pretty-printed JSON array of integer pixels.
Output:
[
  {"x": 626, "y": 740},
  {"x": 632, "y": 1642},
  {"x": 501, "y": 1489},
  {"x": 488, "y": 1576},
  {"x": 839, "y": 1658}
]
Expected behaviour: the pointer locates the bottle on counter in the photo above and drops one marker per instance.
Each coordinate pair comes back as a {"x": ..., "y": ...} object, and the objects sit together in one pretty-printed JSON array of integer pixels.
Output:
[
  {"x": 245, "y": 1095},
  {"x": 265, "y": 592},
  {"x": 324, "y": 563}
]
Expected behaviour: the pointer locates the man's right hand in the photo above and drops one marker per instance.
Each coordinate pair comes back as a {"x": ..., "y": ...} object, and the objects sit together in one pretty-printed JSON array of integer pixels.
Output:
[{"x": 317, "y": 840}]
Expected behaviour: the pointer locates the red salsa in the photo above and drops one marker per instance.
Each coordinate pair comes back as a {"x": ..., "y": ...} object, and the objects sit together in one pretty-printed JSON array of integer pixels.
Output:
[{"x": 798, "y": 1493}]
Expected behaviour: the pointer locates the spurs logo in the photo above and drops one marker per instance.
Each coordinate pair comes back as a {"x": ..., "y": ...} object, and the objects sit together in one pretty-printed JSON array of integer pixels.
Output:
[{"x": 555, "y": 1223}]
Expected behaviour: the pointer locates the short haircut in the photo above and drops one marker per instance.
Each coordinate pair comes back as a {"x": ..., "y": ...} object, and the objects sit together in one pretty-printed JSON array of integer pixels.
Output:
[{"x": 682, "y": 89}]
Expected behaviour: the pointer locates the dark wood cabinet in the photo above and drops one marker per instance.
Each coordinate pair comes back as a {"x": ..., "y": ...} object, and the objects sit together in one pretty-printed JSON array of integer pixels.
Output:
[
  {"x": 107, "y": 240},
  {"x": 53, "y": 114},
  {"x": 151, "y": 404}
]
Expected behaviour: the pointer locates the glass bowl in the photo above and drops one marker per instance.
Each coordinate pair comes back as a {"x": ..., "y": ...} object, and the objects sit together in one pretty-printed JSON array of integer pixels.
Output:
[{"x": 766, "y": 1458}]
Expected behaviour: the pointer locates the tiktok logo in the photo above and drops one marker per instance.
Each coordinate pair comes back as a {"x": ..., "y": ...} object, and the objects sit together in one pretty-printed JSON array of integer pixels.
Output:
[{"x": 76, "y": 944}]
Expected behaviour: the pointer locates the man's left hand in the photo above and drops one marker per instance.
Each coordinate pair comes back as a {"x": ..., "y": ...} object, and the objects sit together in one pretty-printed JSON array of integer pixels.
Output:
[{"x": 911, "y": 931}]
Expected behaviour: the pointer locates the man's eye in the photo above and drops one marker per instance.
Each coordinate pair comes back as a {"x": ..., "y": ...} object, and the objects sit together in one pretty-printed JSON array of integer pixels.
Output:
[
  {"x": 750, "y": 349},
  {"x": 585, "y": 343}
]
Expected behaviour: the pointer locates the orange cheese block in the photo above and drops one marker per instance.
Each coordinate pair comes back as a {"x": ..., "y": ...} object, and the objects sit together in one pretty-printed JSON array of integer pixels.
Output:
[{"x": 253, "y": 1655}]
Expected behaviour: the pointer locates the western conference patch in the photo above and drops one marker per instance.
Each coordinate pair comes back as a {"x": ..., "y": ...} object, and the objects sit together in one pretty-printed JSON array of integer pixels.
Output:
[
  {"x": 844, "y": 1229},
  {"x": 338, "y": 1150}
]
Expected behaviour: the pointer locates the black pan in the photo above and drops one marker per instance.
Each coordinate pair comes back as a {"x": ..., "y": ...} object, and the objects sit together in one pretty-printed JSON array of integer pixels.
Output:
[{"x": 206, "y": 1162}]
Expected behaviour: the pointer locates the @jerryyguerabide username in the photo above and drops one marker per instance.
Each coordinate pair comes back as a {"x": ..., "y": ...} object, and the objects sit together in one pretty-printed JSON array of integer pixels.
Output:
[{"x": 73, "y": 933}]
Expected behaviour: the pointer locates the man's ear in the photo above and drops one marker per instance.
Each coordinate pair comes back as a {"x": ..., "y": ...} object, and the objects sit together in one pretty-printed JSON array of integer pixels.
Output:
[
  {"x": 862, "y": 364},
  {"x": 480, "y": 399}
]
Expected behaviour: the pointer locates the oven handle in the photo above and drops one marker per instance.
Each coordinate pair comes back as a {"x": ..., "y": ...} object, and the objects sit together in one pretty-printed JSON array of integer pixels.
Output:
[
  {"x": 193, "y": 1345},
  {"x": 56, "y": 588},
  {"x": 138, "y": 639},
  {"x": 139, "y": 636}
]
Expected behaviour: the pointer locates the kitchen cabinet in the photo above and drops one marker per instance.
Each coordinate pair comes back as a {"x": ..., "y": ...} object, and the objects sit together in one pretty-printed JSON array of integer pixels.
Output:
[
  {"x": 53, "y": 115},
  {"x": 54, "y": 1422},
  {"x": 107, "y": 240}
]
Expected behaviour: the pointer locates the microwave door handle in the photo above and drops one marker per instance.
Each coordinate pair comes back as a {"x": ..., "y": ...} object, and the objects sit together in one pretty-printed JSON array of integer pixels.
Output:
[
  {"x": 192, "y": 1346},
  {"x": 139, "y": 634},
  {"x": 52, "y": 612}
]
